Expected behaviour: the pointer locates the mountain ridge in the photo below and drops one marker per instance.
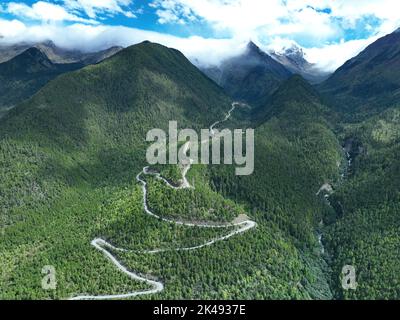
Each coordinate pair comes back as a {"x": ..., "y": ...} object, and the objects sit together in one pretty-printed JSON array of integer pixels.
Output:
[
  {"x": 251, "y": 76},
  {"x": 57, "y": 54},
  {"x": 368, "y": 83},
  {"x": 25, "y": 74}
]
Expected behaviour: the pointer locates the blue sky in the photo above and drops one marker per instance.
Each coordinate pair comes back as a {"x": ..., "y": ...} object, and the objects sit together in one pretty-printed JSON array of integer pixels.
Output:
[
  {"x": 144, "y": 16},
  {"x": 330, "y": 31}
]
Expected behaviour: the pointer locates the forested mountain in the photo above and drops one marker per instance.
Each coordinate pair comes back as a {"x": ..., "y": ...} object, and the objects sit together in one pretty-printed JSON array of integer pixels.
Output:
[
  {"x": 359, "y": 109},
  {"x": 366, "y": 233},
  {"x": 25, "y": 74},
  {"x": 296, "y": 98},
  {"x": 138, "y": 89},
  {"x": 296, "y": 153},
  {"x": 324, "y": 193},
  {"x": 69, "y": 157},
  {"x": 76, "y": 147},
  {"x": 364, "y": 93},
  {"x": 252, "y": 76},
  {"x": 26, "y": 68},
  {"x": 369, "y": 83},
  {"x": 298, "y": 143}
]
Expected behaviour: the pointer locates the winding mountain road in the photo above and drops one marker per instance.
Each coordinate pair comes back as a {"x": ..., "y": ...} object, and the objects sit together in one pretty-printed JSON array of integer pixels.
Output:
[{"x": 240, "y": 225}]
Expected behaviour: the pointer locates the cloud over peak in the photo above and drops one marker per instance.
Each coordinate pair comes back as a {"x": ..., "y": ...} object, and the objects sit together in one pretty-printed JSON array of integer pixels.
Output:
[{"x": 329, "y": 32}]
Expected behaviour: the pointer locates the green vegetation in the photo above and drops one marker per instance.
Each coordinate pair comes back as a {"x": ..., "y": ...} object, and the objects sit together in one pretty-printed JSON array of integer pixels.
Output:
[
  {"x": 199, "y": 204},
  {"x": 365, "y": 94},
  {"x": 77, "y": 142},
  {"x": 302, "y": 154},
  {"x": 68, "y": 176},
  {"x": 69, "y": 157},
  {"x": 367, "y": 84},
  {"x": 27, "y": 73},
  {"x": 366, "y": 234}
]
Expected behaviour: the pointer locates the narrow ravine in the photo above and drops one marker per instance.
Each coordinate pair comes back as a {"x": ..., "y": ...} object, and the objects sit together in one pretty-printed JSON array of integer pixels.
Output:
[
  {"x": 327, "y": 190},
  {"x": 241, "y": 224}
]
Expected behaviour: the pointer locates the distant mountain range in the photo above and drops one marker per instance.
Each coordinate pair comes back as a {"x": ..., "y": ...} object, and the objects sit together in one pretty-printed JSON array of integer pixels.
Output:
[
  {"x": 364, "y": 85},
  {"x": 366, "y": 82},
  {"x": 57, "y": 54},
  {"x": 124, "y": 83},
  {"x": 27, "y": 68},
  {"x": 25, "y": 74},
  {"x": 254, "y": 75}
]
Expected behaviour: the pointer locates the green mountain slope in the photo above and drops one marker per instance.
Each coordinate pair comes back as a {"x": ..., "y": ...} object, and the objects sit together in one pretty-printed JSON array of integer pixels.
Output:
[
  {"x": 281, "y": 258},
  {"x": 366, "y": 234},
  {"x": 25, "y": 74},
  {"x": 297, "y": 142},
  {"x": 69, "y": 157},
  {"x": 365, "y": 91},
  {"x": 77, "y": 145},
  {"x": 98, "y": 117},
  {"x": 296, "y": 153},
  {"x": 294, "y": 99},
  {"x": 368, "y": 83}
]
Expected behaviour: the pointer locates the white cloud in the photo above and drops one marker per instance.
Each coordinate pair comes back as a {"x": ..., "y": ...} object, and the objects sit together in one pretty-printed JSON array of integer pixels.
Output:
[
  {"x": 318, "y": 25},
  {"x": 43, "y": 11},
  {"x": 95, "y": 7},
  {"x": 239, "y": 15},
  {"x": 318, "y": 20},
  {"x": 330, "y": 57},
  {"x": 93, "y": 38},
  {"x": 351, "y": 10},
  {"x": 200, "y": 50},
  {"x": 70, "y": 10},
  {"x": 170, "y": 11},
  {"x": 10, "y": 28},
  {"x": 241, "y": 18},
  {"x": 167, "y": 16}
]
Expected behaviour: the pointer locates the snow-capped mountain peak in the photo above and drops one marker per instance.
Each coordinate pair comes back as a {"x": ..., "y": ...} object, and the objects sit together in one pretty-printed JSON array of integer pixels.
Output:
[
  {"x": 295, "y": 54},
  {"x": 294, "y": 59}
]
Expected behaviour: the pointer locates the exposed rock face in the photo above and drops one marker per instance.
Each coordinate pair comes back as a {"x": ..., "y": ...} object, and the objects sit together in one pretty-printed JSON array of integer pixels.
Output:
[{"x": 294, "y": 59}]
